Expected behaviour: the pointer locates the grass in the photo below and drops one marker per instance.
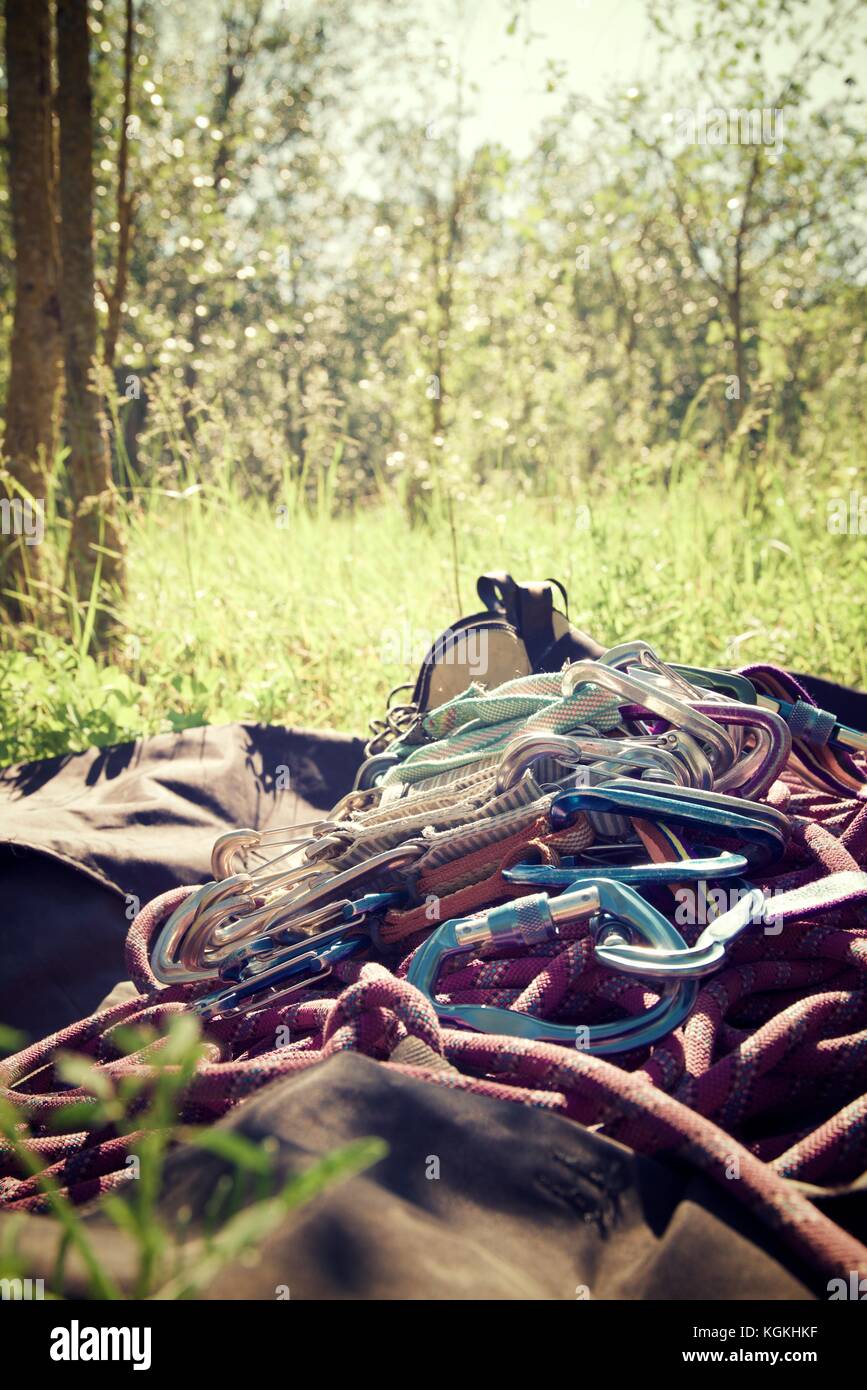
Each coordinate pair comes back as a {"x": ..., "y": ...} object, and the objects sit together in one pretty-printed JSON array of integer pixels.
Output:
[{"x": 241, "y": 609}]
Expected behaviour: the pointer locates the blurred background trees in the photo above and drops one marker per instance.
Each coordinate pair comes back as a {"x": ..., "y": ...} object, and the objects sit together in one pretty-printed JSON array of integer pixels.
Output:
[{"x": 299, "y": 266}]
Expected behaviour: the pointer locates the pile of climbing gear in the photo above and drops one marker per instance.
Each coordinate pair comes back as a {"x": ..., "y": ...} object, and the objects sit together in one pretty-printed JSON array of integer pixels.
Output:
[{"x": 623, "y": 890}]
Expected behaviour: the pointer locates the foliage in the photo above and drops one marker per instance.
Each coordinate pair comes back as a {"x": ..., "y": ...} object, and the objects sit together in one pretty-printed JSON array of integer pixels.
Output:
[{"x": 321, "y": 260}]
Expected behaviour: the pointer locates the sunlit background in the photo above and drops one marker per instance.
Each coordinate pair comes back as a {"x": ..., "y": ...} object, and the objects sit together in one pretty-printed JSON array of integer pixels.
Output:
[{"x": 460, "y": 237}]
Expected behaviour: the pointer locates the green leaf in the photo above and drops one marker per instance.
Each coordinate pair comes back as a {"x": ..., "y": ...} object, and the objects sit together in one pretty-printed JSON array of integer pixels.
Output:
[
  {"x": 235, "y": 1147},
  {"x": 11, "y": 1040},
  {"x": 79, "y": 1071}
]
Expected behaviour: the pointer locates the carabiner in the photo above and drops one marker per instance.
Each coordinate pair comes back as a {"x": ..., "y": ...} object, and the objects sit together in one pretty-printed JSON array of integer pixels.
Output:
[
  {"x": 722, "y": 865},
  {"x": 296, "y": 969},
  {"x": 227, "y": 897},
  {"x": 765, "y": 829},
  {"x": 753, "y": 772},
  {"x": 660, "y": 754},
  {"x": 714, "y": 740},
  {"x": 261, "y": 974},
  {"x": 539, "y": 918},
  {"x": 639, "y": 658},
  {"x": 741, "y": 688},
  {"x": 395, "y": 860},
  {"x": 726, "y": 683},
  {"x": 233, "y": 842},
  {"x": 213, "y": 921},
  {"x": 706, "y": 956}
]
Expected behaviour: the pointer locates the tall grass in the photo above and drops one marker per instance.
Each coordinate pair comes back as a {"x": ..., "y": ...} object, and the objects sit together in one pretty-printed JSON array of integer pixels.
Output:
[{"x": 295, "y": 608}]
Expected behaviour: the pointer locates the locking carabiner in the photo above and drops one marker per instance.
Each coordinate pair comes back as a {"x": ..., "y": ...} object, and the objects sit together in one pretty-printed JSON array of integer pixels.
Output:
[{"x": 527, "y": 921}]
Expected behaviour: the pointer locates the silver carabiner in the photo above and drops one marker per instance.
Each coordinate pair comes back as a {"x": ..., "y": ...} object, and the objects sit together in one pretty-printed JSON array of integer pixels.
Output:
[
  {"x": 215, "y": 920},
  {"x": 714, "y": 740},
  {"x": 235, "y": 842},
  {"x": 274, "y": 914},
  {"x": 705, "y": 957},
  {"x": 663, "y": 755},
  {"x": 227, "y": 897}
]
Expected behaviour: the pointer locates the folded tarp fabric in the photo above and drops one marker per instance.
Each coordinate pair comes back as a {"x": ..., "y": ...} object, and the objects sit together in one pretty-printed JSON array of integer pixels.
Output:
[{"x": 86, "y": 839}]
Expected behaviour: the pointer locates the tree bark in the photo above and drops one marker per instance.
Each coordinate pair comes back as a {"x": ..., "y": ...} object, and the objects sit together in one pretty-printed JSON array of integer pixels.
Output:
[
  {"x": 35, "y": 349},
  {"x": 124, "y": 197},
  {"x": 95, "y": 527},
  {"x": 736, "y": 316}
]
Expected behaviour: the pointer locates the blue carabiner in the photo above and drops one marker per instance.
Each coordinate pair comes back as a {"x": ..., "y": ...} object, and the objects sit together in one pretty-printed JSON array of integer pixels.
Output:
[
  {"x": 539, "y": 918},
  {"x": 722, "y": 865},
  {"x": 765, "y": 830}
]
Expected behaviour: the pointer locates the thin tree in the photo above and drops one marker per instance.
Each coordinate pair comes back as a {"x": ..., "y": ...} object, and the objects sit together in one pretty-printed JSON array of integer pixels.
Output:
[
  {"x": 35, "y": 349},
  {"x": 240, "y": 48},
  {"x": 95, "y": 543},
  {"x": 125, "y": 199}
]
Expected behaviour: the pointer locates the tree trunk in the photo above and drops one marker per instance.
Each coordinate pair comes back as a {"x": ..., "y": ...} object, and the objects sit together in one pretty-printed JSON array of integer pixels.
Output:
[
  {"x": 124, "y": 197},
  {"x": 35, "y": 348},
  {"x": 94, "y": 523},
  {"x": 736, "y": 316}
]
